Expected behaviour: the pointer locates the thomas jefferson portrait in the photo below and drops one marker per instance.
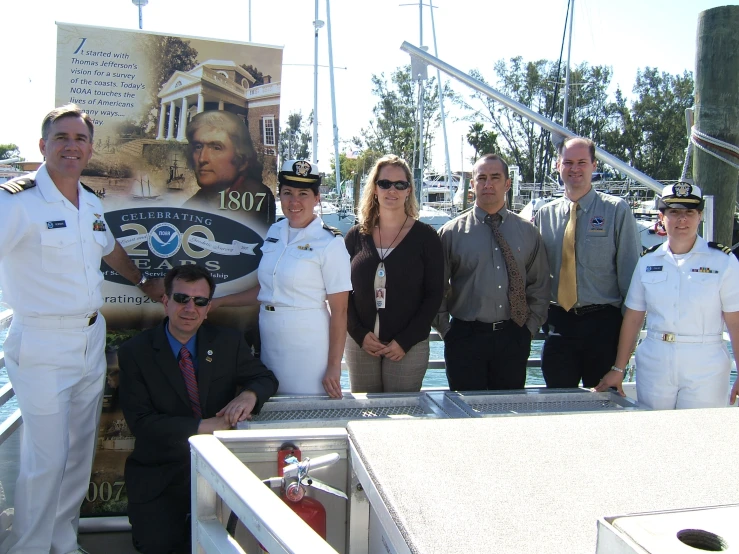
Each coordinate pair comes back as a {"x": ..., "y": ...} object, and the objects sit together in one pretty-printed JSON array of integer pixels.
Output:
[{"x": 229, "y": 175}]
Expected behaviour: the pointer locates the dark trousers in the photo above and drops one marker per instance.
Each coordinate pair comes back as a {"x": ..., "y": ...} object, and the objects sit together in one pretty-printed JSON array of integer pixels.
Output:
[
  {"x": 579, "y": 346},
  {"x": 162, "y": 525},
  {"x": 479, "y": 358}
]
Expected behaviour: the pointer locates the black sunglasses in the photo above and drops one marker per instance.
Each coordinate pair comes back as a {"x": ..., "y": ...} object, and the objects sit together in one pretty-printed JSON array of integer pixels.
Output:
[
  {"x": 182, "y": 298},
  {"x": 385, "y": 184}
]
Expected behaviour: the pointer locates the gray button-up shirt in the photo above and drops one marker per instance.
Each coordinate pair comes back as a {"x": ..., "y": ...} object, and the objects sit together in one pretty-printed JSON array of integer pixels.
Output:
[
  {"x": 607, "y": 246},
  {"x": 475, "y": 275}
]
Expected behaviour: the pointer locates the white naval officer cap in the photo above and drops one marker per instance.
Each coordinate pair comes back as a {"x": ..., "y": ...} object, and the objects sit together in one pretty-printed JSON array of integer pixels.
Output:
[
  {"x": 681, "y": 195},
  {"x": 300, "y": 174}
]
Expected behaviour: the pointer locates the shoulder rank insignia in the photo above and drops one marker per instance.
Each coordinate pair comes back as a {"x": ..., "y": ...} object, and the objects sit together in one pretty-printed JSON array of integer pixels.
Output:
[
  {"x": 333, "y": 230},
  {"x": 88, "y": 189},
  {"x": 650, "y": 249},
  {"x": 719, "y": 246},
  {"x": 15, "y": 186}
]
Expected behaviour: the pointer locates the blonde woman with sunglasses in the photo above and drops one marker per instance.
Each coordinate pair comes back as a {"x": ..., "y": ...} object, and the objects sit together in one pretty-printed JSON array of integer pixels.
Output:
[{"x": 397, "y": 272}]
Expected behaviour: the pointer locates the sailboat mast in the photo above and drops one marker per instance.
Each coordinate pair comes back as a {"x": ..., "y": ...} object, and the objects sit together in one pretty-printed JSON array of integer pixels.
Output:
[
  {"x": 447, "y": 165},
  {"x": 316, "y": 25},
  {"x": 567, "y": 69},
  {"x": 337, "y": 163},
  {"x": 420, "y": 97}
]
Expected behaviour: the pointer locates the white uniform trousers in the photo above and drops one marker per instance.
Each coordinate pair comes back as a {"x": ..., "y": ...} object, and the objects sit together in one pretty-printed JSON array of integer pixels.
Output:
[
  {"x": 672, "y": 375},
  {"x": 57, "y": 369},
  {"x": 295, "y": 348}
]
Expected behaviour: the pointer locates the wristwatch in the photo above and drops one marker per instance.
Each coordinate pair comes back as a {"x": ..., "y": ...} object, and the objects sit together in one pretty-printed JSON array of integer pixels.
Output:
[
  {"x": 614, "y": 368},
  {"x": 144, "y": 279}
]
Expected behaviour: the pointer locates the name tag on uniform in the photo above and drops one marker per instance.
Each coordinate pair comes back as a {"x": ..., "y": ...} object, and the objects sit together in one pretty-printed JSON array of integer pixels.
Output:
[
  {"x": 56, "y": 224},
  {"x": 654, "y": 268},
  {"x": 271, "y": 239}
]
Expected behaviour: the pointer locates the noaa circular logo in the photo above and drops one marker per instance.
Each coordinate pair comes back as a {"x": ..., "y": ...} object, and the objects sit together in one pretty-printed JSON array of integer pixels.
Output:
[{"x": 164, "y": 240}]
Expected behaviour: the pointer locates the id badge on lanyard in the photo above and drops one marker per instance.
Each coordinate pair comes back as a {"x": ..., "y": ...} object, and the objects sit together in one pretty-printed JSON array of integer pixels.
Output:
[{"x": 380, "y": 291}]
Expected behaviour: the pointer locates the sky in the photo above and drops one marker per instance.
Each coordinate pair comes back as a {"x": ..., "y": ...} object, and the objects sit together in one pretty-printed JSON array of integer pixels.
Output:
[{"x": 626, "y": 35}]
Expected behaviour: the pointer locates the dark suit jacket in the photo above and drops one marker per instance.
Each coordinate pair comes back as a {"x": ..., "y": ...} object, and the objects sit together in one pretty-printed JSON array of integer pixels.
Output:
[{"x": 157, "y": 408}]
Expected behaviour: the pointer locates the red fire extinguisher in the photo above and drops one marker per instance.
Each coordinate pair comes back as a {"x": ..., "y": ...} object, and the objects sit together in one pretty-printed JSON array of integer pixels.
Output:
[
  {"x": 292, "y": 480},
  {"x": 309, "y": 509}
]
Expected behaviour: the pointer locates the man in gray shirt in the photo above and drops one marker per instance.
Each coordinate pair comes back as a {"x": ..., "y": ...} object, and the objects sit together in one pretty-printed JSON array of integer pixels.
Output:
[
  {"x": 496, "y": 281},
  {"x": 585, "y": 315}
]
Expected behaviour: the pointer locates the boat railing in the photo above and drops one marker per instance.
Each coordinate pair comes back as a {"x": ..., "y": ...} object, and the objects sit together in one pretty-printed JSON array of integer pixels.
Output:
[
  {"x": 219, "y": 476},
  {"x": 12, "y": 422}
]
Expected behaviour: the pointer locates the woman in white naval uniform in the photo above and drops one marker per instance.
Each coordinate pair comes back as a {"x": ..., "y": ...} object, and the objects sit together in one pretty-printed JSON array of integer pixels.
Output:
[
  {"x": 689, "y": 288},
  {"x": 304, "y": 265}
]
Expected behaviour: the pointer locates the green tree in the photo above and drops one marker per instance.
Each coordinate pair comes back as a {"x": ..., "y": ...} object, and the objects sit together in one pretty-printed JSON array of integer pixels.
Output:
[
  {"x": 394, "y": 127},
  {"x": 9, "y": 150},
  {"x": 295, "y": 137},
  {"x": 356, "y": 167},
  {"x": 169, "y": 54},
  {"x": 537, "y": 86},
  {"x": 622, "y": 136},
  {"x": 484, "y": 142},
  {"x": 658, "y": 115}
]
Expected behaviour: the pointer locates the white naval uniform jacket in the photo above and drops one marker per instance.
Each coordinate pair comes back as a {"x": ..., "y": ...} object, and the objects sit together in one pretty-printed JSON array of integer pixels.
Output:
[
  {"x": 686, "y": 298},
  {"x": 50, "y": 251},
  {"x": 300, "y": 273}
]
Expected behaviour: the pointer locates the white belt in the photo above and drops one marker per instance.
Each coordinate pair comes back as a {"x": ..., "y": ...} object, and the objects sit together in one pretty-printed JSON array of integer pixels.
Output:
[
  {"x": 672, "y": 337},
  {"x": 273, "y": 308},
  {"x": 59, "y": 322}
]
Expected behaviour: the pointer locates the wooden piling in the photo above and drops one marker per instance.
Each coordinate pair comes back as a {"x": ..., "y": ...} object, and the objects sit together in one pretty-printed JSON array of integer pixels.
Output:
[{"x": 717, "y": 111}]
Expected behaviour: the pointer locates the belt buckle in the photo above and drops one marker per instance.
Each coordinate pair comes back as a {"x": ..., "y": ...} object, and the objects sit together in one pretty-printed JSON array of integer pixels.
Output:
[
  {"x": 498, "y": 325},
  {"x": 269, "y": 308},
  {"x": 668, "y": 337}
]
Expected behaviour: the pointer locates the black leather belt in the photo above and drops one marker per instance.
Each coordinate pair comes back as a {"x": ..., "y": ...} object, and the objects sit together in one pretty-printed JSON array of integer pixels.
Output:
[
  {"x": 483, "y": 326},
  {"x": 582, "y": 310},
  {"x": 93, "y": 319}
]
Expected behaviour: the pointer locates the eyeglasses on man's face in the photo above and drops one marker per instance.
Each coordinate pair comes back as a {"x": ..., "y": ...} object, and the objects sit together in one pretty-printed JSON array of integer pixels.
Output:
[{"x": 181, "y": 298}]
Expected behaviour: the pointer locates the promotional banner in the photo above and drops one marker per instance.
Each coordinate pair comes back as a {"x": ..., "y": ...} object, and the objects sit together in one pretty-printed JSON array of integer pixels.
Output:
[{"x": 185, "y": 160}]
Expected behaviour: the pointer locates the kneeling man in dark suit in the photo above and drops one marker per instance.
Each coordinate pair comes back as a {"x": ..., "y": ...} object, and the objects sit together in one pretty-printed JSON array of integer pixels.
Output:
[{"x": 180, "y": 379}]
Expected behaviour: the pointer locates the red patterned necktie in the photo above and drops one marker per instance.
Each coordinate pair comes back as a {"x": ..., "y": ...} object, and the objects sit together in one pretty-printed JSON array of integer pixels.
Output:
[
  {"x": 516, "y": 291},
  {"x": 188, "y": 373}
]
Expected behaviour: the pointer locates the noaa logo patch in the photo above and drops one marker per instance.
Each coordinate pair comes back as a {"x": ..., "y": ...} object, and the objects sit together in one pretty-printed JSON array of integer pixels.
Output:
[
  {"x": 165, "y": 240},
  {"x": 597, "y": 223}
]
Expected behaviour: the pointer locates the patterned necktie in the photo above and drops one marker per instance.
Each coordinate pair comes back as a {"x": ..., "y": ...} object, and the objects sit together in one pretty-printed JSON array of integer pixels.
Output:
[
  {"x": 516, "y": 290},
  {"x": 567, "y": 291},
  {"x": 191, "y": 384}
]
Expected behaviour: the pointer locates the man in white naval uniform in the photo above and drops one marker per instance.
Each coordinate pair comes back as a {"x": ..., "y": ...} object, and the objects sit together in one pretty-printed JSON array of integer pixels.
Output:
[
  {"x": 688, "y": 288},
  {"x": 52, "y": 237}
]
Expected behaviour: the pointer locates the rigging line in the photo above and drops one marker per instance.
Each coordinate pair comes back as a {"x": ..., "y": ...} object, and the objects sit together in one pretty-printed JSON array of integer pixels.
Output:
[
  {"x": 544, "y": 137},
  {"x": 718, "y": 143},
  {"x": 686, "y": 163},
  {"x": 699, "y": 146}
]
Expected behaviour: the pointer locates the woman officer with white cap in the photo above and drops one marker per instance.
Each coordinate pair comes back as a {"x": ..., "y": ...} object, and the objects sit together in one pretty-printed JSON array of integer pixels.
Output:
[
  {"x": 304, "y": 265},
  {"x": 689, "y": 288}
]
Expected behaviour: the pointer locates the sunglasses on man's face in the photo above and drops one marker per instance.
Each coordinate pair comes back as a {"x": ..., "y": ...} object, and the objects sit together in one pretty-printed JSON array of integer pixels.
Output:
[
  {"x": 182, "y": 298},
  {"x": 385, "y": 184}
]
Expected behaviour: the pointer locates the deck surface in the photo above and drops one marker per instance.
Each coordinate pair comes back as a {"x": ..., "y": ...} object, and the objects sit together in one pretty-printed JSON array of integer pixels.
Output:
[{"x": 539, "y": 484}]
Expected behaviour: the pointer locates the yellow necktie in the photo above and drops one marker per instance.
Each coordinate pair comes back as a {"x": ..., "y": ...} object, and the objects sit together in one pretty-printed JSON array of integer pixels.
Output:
[{"x": 567, "y": 292}]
